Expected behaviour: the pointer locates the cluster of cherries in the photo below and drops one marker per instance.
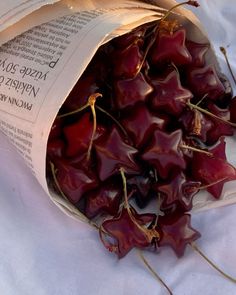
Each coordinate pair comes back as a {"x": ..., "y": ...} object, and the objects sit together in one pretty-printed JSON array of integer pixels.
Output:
[{"x": 143, "y": 131}]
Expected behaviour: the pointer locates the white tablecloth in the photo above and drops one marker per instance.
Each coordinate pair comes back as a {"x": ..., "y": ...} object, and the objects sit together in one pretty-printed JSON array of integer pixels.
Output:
[{"x": 44, "y": 252}]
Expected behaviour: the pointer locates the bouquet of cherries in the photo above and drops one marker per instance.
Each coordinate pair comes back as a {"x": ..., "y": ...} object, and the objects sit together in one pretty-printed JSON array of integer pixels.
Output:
[{"x": 143, "y": 131}]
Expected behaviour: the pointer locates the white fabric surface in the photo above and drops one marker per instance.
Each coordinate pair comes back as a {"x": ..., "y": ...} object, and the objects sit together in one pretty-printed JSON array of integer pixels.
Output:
[{"x": 44, "y": 252}]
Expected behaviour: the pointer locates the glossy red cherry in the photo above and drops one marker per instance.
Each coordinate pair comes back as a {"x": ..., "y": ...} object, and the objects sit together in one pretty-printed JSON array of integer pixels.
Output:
[
  {"x": 169, "y": 96},
  {"x": 164, "y": 152},
  {"x": 171, "y": 48},
  {"x": 113, "y": 153},
  {"x": 140, "y": 124},
  {"x": 198, "y": 52},
  {"x": 128, "y": 92},
  {"x": 177, "y": 232}
]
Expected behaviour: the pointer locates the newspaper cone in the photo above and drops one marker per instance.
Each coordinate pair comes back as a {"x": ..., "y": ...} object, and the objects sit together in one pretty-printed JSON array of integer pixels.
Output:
[{"x": 39, "y": 68}]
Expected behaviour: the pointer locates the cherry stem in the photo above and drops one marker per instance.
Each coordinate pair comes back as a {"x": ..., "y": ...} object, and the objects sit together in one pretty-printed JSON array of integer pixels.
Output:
[
  {"x": 195, "y": 248},
  {"x": 91, "y": 102},
  {"x": 192, "y": 3},
  {"x": 75, "y": 111},
  {"x": 201, "y": 100},
  {"x": 144, "y": 260},
  {"x": 223, "y": 50},
  {"x": 194, "y": 106},
  {"x": 114, "y": 119},
  {"x": 183, "y": 146},
  {"x": 82, "y": 216},
  {"x": 213, "y": 183},
  {"x": 150, "y": 233}
]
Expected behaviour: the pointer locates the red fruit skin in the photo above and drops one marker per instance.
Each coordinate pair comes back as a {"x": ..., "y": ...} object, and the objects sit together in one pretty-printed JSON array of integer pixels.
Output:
[
  {"x": 126, "y": 232},
  {"x": 171, "y": 48},
  {"x": 169, "y": 95},
  {"x": 79, "y": 95},
  {"x": 198, "y": 52},
  {"x": 208, "y": 170},
  {"x": 126, "y": 63},
  {"x": 112, "y": 153},
  {"x": 164, "y": 154},
  {"x": 219, "y": 128},
  {"x": 202, "y": 81},
  {"x": 196, "y": 124},
  {"x": 105, "y": 199},
  {"x": 74, "y": 182},
  {"x": 177, "y": 232},
  {"x": 129, "y": 92},
  {"x": 78, "y": 135},
  {"x": 140, "y": 124},
  {"x": 55, "y": 148}
]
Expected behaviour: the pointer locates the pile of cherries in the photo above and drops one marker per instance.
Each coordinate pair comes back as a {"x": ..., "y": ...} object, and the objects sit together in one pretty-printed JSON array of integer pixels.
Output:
[{"x": 143, "y": 131}]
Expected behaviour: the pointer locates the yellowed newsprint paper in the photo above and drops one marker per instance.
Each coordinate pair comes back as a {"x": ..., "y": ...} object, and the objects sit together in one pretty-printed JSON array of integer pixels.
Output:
[{"x": 39, "y": 68}]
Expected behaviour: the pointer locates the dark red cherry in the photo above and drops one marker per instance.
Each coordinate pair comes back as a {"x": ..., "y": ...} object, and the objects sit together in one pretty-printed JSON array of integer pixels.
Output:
[
  {"x": 127, "y": 62},
  {"x": 210, "y": 169},
  {"x": 196, "y": 124},
  {"x": 169, "y": 96},
  {"x": 164, "y": 152},
  {"x": 171, "y": 48},
  {"x": 113, "y": 153},
  {"x": 79, "y": 95},
  {"x": 141, "y": 187},
  {"x": 78, "y": 135},
  {"x": 177, "y": 190},
  {"x": 140, "y": 124},
  {"x": 205, "y": 81},
  {"x": 219, "y": 128},
  {"x": 55, "y": 148},
  {"x": 74, "y": 182},
  {"x": 198, "y": 52},
  {"x": 127, "y": 233},
  {"x": 177, "y": 232},
  {"x": 105, "y": 199},
  {"x": 130, "y": 91}
]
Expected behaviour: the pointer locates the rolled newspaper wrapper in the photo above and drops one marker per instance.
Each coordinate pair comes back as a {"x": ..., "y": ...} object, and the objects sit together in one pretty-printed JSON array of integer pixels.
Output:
[{"x": 39, "y": 68}]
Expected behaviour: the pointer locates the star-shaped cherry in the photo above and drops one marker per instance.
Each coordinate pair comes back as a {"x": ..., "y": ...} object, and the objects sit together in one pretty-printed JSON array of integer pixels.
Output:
[
  {"x": 169, "y": 96},
  {"x": 74, "y": 182},
  {"x": 219, "y": 128},
  {"x": 55, "y": 148},
  {"x": 196, "y": 124},
  {"x": 128, "y": 230},
  {"x": 127, "y": 62},
  {"x": 113, "y": 153},
  {"x": 141, "y": 187},
  {"x": 205, "y": 81},
  {"x": 78, "y": 135},
  {"x": 171, "y": 48},
  {"x": 177, "y": 232},
  {"x": 130, "y": 91},
  {"x": 164, "y": 152},
  {"x": 178, "y": 190},
  {"x": 213, "y": 171},
  {"x": 140, "y": 124},
  {"x": 105, "y": 199},
  {"x": 198, "y": 52}
]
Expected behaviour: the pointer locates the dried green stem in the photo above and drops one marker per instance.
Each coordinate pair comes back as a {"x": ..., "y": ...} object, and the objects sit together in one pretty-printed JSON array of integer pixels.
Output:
[
  {"x": 187, "y": 147},
  {"x": 213, "y": 183},
  {"x": 114, "y": 119},
  {"x": 144, "y": 260},
  {"x": 224, "y": 52},
  {"x": 194, "y": 106},
  {"x": 195, "y": 248}
]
